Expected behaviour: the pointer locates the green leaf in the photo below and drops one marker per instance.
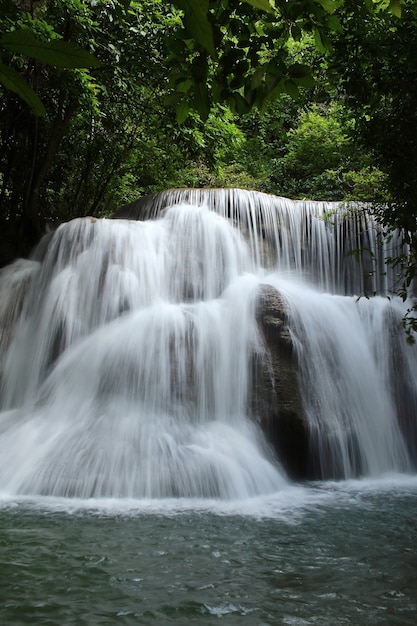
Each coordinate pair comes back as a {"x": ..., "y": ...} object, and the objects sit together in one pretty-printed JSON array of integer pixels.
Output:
[
  {"x": 301, "y": 75},
  {"x": 199, "y": 68},
  {"x": 57, "y": 52},
  {"x": 68, "y": 55},
  {"x": 321, "y": 40},
  {"x": 277, "y": 91},
  {"x": 196, "y": 22},
  {"x": 264, "y": 5},
  {"x": 182, "y": 112},
  {"x": 305, "y": 81},
  {"x": 395, "y": 7},
  {"x": 242, "y": 106},
  {"x": 184, "y": 85},
  {"x": 202, "y": 100},
  {"x": 330, "y": 5},
  {"x": 13, "y": 81},
  {"x": 257, "y": 77},
  {"x": 334, "y": 24},
  {"x": 291, "y": 89}
]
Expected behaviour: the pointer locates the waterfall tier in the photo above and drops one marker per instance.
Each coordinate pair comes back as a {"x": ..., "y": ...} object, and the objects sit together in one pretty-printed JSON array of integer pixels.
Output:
[
  {"x": 338, "y": 247},
  {"x": 199, "y": 350}
]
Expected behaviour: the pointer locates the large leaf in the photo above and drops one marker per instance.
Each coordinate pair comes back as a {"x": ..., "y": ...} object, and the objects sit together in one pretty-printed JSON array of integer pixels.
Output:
[
  {"x": 330, "y": 5},
  {"x": 197, "y": 24},
  {"x": 395, "y": 7},
  {"x": 57, "y": 52},
  {"x": 291, "y": 89},
  {"x": 13, "y": 81},
  {"x": 264, "y": 5},
  {"x": 202, "y": 100},
  {"x": 321, "y": 40},
  {"x": 182, "y": 112},
  {"x": 241, "y": 105},
  {"x": 301, "y": 75}
]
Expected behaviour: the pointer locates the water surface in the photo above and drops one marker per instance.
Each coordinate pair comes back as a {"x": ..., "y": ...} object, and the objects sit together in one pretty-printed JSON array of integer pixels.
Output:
[{"x": 332, "y": 553}]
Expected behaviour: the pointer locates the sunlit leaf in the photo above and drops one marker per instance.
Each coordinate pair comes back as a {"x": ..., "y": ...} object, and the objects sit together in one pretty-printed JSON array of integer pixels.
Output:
[
  {"x": 264, "y": 5},
  {"x": 395, "y": 7},
  {"x": 330, "y": 5}
]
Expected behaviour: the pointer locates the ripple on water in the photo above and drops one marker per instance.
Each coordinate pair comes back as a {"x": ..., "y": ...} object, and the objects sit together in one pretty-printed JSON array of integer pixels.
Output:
[{"x": 320, "y": 554}]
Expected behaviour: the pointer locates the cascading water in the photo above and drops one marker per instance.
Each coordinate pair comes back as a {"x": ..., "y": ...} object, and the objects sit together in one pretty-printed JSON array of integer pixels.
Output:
[
  {"x": 337, "y": 247},
  {"x": 128, "y": 373},
  {"x": 346, "y": 350},
  {"x": 127, "y": 350}
]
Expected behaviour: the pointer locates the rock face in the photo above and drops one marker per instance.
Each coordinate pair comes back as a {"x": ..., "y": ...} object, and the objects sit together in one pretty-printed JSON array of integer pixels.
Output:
[{"x": 277, "y": 402}]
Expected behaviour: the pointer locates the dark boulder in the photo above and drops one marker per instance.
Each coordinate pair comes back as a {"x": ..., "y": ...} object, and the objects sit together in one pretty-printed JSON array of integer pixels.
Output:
[{"x": 276, "y": 401}]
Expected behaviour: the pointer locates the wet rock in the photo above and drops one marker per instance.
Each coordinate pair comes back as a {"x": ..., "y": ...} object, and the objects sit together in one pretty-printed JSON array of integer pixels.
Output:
[{"x": 276, "y": 401}]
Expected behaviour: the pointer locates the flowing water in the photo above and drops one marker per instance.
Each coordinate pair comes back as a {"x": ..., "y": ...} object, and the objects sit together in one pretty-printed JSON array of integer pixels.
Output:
[{"x": 136, "y": 487}]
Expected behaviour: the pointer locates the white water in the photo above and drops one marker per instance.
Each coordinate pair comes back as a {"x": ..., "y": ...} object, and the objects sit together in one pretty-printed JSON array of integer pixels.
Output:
[
  {"x": 346, "y": 349},
  {"x": 126, "y": 374},
  {"x": 335, "y": 246}
]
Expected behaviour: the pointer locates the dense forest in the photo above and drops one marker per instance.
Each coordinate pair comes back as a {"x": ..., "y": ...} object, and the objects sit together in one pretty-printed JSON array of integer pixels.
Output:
[{"x": 104, "y": 101}]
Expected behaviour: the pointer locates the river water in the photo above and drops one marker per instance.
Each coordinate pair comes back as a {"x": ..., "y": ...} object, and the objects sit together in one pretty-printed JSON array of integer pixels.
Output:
[{"x": 321, "y": 553}]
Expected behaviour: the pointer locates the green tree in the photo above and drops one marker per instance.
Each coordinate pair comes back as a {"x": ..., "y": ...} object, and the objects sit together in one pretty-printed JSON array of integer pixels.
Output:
[
  {"x": 375, "y": 65},
  {"x": 59, "y": 158},
  {"x": 322, "y": 161},
  {"x": 91, "y": 135},
  {"x": 236, "y": 53},
  {"x": 43, "y": 64}
]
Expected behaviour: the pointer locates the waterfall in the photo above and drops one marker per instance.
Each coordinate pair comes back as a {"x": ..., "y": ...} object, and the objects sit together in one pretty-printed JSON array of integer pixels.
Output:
[
  {"x": 338, "y": 247},
  {"x": 130, "y": 350}
]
